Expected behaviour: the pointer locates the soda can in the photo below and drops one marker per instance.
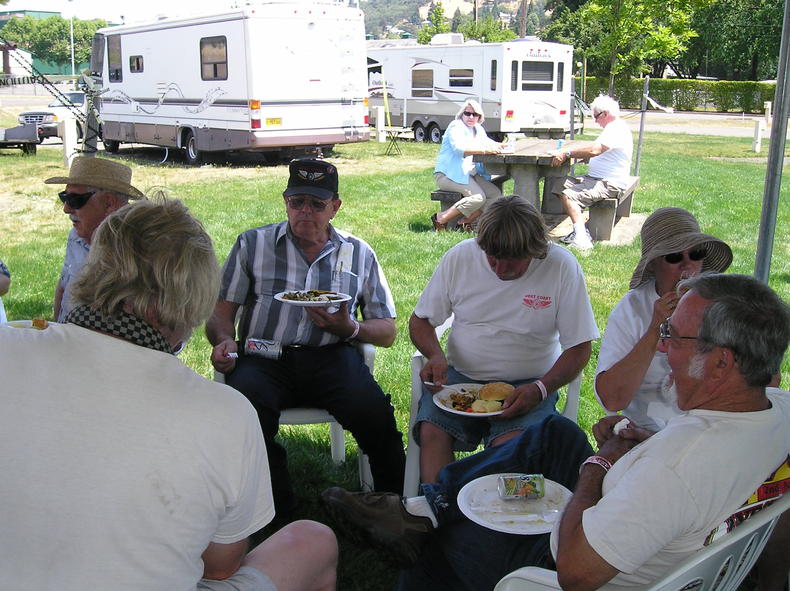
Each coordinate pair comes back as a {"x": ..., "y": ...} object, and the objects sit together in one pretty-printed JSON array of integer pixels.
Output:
[{"x": 560, "y": 143}]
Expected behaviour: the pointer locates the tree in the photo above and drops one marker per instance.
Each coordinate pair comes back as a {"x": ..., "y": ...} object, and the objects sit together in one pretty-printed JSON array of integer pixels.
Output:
[
  {"x": 630, "y": 35},
  {"x": 487, "y": 30},
  {"x": 437, "y": 23},
  {"x": 49, "y": 39},
  {"x": 737, "y": 40}
]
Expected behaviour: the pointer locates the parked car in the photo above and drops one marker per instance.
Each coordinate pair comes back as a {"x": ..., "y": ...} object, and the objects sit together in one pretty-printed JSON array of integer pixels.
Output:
[{"x": 47, "y": 119}]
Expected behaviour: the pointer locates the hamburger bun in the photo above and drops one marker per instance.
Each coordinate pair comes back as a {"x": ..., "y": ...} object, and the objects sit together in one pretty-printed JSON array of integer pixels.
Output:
[
  {"x": 495, "y": 391},
  {"x": 486, "y": 406}
]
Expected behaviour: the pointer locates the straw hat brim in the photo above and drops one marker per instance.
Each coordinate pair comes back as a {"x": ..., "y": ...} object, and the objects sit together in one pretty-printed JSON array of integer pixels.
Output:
[
  {"x": 718, "y": 258},
  {"x": 102, "y": 182}
]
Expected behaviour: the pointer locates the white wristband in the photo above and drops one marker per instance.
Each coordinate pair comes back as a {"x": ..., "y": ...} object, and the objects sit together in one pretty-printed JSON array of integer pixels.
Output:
[
  {"x": 542, "y": 387},
  {"x": 598, "y": 461},
  {"x": 354, "y": 334}
]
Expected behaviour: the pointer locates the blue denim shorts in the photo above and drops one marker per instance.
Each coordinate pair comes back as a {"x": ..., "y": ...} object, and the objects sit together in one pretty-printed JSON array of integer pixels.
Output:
[
  {"x": 469, "y": 432},
  {"x": 245, "y": 579}
]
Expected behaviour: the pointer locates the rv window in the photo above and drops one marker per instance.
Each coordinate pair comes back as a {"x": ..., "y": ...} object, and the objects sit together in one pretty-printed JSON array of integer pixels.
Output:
[
  {"x": 514, "y": 75},
  {"x": 422, "y": 83},
  {"x": 97, "y": 55},
  {"x": 114, "y": 63},
  {"x": 214, "y": 58},
  {"x": 135, "y": 63},
  {"x": 462, "y": 77},
  {"x": 560, "y": 76},
  {"x": 493, "y": 74},
  {"x": 537, "y": 76}
]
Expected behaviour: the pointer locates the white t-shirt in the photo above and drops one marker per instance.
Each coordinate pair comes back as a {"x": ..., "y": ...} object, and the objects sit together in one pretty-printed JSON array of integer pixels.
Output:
[
  {"x": 508, "y": 330},
  {"x": 119, "y": 464},
  {"x": 614, "y": 165},
  {"x": 662, "y": 499},
  {"x": 652, "y": 405}
]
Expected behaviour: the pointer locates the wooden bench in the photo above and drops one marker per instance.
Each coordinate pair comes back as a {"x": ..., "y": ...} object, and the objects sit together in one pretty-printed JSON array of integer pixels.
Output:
[
  {"x": 605, "y": 213},
  {"x": 447, "y": 199}
]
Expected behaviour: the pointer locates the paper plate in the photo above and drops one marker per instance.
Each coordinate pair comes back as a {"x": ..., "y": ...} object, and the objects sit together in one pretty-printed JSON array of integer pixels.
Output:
[
  {"x": 479, "y": 500},
  {"x": 340, "y": 298}
]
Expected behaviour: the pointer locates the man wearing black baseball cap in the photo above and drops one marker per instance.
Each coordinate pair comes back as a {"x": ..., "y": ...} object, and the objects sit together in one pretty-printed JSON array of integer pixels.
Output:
[{"x": 286, "y": 355}]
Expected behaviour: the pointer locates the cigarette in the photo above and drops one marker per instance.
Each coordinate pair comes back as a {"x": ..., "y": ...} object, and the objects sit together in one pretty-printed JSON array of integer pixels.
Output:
[
  {"x": 429, "y": 383},
  {"x": 232, "y": 355}
]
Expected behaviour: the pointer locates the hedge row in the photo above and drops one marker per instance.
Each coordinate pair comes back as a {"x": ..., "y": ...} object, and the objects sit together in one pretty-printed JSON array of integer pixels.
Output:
[{"x": 687, "y": 95}]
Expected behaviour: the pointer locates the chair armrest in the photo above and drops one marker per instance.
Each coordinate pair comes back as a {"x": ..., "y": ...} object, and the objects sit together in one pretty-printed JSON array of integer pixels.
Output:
[{"x": 529, "y": 578}]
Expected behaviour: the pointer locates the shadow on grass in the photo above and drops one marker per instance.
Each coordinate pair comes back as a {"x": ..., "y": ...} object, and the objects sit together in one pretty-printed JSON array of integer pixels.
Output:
[{"x": 312, "y": 471}]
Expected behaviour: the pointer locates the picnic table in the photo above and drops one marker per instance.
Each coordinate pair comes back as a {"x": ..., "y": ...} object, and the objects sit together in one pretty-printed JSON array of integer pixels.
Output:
[{"x": 527, "y": 164}]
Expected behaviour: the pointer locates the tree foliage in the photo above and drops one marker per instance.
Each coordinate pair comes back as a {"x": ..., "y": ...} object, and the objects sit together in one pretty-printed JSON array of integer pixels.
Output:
[
  {"x": 49, "y": 39},
  {"x": 437, "y": 23},
  {"x": 628, "y": 37},
  {"x": 737, "y": 40},
  {"x": 487, "y": 30}
]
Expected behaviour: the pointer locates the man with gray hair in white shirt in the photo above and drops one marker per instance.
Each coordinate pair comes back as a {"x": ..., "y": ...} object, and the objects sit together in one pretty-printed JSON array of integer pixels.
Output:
[{"x": 610, "y": 164}]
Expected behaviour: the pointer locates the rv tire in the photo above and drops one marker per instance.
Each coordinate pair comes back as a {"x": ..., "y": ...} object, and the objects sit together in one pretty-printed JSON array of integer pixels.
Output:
[
  {"x": 191, "y": 151},
  {"x": 111, "y": 146},
  {"x": 434, "y": 134},
  {"x": 419, "y": 132}
]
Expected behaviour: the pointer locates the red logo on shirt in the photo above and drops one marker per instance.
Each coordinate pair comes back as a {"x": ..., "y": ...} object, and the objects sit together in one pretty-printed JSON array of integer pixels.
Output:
[{"x": 537, "y": 302}]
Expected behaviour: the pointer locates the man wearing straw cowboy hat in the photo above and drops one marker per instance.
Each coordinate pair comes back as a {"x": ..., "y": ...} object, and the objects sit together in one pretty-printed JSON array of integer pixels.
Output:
[{"x": 95, "y": 188}]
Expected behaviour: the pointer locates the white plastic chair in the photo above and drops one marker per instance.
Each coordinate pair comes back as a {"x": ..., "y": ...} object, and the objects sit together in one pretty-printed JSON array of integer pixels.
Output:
[
  {"x": 718, "y": 567},
  {"x": 337, "y": 437},
  {"x": 411, "y": 480}
]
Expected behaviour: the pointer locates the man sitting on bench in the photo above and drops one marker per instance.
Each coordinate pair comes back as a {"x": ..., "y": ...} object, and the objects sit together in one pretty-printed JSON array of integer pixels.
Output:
[{"x": 610, "y": 164}]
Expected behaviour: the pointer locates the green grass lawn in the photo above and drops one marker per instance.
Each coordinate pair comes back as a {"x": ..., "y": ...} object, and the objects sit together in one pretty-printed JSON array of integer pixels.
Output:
[{"x": 386, "y": 202}]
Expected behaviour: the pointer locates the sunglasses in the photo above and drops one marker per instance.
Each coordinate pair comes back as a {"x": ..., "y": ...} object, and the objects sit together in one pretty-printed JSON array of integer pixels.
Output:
[
  {"x": 596, "y": 115},
  {"x": 674, "y": 258},
  {"x": 470, "y": 114},
  {"x": 297, "y": 203},
  {"x": 75, "y": 200}
]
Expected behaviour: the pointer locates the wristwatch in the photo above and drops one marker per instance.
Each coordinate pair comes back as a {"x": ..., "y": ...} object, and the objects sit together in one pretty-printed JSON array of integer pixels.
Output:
[{"x": 568, "y": 155}]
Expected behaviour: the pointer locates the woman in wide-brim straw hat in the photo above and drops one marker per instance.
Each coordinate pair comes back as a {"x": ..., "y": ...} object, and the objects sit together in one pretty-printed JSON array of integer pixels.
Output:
[{"x": 632, "y": 375}]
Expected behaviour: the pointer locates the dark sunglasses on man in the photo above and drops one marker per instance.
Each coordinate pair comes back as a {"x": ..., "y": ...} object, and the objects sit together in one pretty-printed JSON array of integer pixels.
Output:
[
  {"x": 75, "y": 200},
  {"x": 297, "y": 203},
  {"x": 674, "y": 258}
]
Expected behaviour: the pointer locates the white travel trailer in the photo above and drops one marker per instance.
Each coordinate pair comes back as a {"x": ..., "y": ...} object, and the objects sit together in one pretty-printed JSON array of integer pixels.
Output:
[
  {"x": 523, "y": 85},
  {"x": 282, "y": 78}
]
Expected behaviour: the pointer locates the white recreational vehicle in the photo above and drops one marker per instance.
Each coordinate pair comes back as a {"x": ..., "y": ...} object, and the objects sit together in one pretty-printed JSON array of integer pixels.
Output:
[
  {"x": 523, "y": 85},
  {"x": 282, "y": 78}
]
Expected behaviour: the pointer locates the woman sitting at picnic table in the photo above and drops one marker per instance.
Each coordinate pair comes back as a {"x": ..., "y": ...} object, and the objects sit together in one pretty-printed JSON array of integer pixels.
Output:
[
  {"x": 455, "y": 170},
  {"x": 632, "y": 375}
]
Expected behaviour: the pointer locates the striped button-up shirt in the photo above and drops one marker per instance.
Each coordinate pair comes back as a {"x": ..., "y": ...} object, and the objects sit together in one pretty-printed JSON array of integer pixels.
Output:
[{"x": 265, "y": 261}]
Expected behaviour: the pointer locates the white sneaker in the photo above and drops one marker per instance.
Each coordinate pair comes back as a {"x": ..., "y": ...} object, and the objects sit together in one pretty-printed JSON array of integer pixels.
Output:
[{"x": 582, "y": 241}]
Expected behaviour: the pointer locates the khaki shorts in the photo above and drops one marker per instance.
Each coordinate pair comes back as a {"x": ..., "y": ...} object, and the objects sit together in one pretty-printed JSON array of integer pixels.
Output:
[
  {"x": 586, "y": 190},
  {"x": 245, "y": 579}
]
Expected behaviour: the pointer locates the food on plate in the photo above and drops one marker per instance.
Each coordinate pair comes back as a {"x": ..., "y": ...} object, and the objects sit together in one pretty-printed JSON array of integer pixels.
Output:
[
  {"x": 495, "y": 391},
  {"x": 486, "y": 406},
  {"x": 462, "y": 400},
  {"x": 521, "y": 486},
  {"x": 39, "y": 323},
  {"x": 312, "y": 295},
  {"x": 472, "y": 398}
]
